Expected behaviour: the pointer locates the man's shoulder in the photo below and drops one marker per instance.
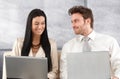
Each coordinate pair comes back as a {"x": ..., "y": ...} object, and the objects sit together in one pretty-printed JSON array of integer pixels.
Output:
[
  {"x": 105, "y": 36},
  {"x": 68, "y": 43}
]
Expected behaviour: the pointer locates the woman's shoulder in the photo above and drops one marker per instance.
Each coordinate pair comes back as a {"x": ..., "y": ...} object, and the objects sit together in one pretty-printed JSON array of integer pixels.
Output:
[
  {"x": 52, "y": 40},
  {"x": 20, "y": 40}
]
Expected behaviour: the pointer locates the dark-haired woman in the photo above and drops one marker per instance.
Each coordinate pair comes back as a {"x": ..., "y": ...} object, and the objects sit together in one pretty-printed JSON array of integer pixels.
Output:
[{"x": 36, "y": 42}]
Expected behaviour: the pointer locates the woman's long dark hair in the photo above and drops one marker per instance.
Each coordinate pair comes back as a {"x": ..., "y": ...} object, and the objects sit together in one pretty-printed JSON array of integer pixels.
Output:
[{"x": 44, "y": 41}]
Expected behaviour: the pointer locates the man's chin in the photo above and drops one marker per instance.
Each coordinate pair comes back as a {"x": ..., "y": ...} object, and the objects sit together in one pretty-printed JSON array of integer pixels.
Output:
[{"x": 77, "y": 33}]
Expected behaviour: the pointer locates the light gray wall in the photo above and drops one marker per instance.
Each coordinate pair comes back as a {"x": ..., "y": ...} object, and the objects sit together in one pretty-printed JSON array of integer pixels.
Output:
[
  {"x": 59, "y": 23},
  {"x": 107, "y": 16},
  {"x": 13, "y": 15}
]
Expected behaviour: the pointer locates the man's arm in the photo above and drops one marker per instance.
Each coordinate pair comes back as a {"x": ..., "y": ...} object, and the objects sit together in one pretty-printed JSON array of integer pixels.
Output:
[
  {"x": 115, "y": 59},
  {"x": 63, "y": 64}
]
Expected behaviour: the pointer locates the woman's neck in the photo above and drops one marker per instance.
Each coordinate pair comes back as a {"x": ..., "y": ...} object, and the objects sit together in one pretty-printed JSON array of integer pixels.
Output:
[{"x": 36, "y": 40}]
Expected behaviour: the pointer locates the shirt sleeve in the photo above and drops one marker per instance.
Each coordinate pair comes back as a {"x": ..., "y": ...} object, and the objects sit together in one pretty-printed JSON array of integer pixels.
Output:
[
  {"x": 16, "y": 51},
  {"x": 63, "y": 64},
  {"x": 4, "y": 73},
  {"x": 54, "y": 57},
  {"x": 115, "y": 58}
]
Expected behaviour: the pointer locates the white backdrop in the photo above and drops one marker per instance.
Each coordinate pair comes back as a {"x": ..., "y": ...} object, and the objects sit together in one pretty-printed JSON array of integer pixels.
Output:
[{"x": 13, "y": 15}]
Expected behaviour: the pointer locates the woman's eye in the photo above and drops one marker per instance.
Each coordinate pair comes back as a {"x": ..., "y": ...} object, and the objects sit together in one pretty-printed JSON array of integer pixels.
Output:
[{"x": 37, "y": 24}]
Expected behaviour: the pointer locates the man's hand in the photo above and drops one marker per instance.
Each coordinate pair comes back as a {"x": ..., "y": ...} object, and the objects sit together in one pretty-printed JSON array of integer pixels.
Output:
[{"x": 114, "y": 77}]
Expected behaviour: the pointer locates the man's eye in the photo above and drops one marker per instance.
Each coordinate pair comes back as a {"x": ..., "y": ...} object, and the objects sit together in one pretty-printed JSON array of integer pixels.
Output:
[
  {"x": 76, "y": 20},
  {"x": 42, "y": 23}
]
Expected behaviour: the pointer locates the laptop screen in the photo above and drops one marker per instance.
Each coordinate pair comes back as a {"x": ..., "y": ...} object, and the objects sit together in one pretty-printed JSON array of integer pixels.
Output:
[
  {"x": 88, "y": 65},
  {"x": 24, "y": 67}
]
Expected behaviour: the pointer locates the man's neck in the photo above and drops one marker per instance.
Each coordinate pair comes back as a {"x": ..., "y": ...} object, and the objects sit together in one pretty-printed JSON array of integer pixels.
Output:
[{"x": 87, "y": 32}]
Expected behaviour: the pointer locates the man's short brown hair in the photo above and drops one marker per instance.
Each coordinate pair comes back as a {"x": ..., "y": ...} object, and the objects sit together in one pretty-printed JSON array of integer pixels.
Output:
[{"x": 84, "y": 11}]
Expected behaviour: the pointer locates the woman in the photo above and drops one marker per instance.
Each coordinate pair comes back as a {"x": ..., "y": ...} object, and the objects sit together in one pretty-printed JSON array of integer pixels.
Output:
[{"x": 36, "y": 42}]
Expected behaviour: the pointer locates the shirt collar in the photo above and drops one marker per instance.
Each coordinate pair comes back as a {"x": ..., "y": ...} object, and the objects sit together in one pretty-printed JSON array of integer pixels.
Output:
[
  {"x": 79, "y": 37},
  {"x": 91, "y": 36}
]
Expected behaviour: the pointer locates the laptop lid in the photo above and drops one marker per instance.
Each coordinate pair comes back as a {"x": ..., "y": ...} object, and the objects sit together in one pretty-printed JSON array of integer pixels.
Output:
[
  {"x": 24, "y": 67},
  {"x": 88, "y": 65}
]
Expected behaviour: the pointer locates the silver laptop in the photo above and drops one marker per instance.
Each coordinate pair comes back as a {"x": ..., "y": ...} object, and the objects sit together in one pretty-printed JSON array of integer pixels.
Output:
[
  {"x": 88, "y": 65},
  {"x": 22, "y": 67}
]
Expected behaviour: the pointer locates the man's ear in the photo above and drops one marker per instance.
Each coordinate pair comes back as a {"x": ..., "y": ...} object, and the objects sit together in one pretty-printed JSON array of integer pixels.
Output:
[{"x": 88, "y": 20}]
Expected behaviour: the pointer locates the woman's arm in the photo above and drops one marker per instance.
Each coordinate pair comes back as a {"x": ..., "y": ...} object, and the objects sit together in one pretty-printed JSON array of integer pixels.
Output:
[{"x": 54, "y": 57}]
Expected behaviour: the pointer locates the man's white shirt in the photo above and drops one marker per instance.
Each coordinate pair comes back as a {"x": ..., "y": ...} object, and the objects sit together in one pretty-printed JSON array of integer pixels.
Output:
[{"x": 97, "y": 42}]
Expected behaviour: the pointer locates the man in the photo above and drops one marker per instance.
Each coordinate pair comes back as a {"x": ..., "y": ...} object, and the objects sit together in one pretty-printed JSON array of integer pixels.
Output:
[{"x": 82, "y": 23}]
